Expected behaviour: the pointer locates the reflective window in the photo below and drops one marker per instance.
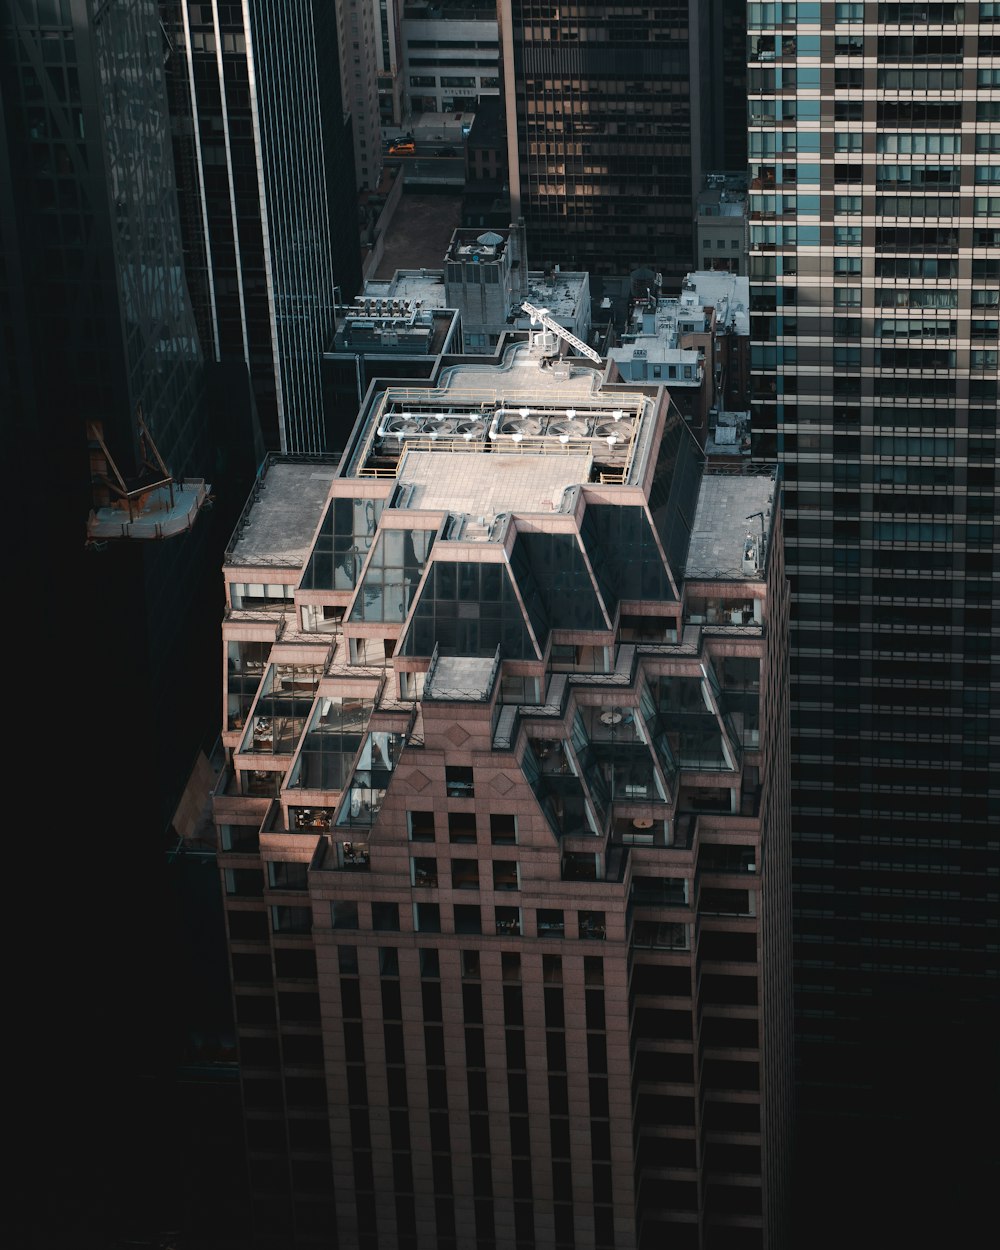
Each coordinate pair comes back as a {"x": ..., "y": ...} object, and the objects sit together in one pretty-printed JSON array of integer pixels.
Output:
[
  {"x": 563, "y": 580},
  {"x": 344, "y": 540},
  {"x": 286, "y": 697},
  {"x": 245, "y": 664},
  {"x": 370, "y": 779},
  {"x": 331, "y": 743},
  {"x": 392, "y": 575},
  {"x": 549, "y": 769},
  {"x": 469, "y": 609},
  {"x": 674, "y": 492},
  {"x": 740, "y": 696},
  {"x": 692, "y": 727},
  {"x": 608, "y": 532}
]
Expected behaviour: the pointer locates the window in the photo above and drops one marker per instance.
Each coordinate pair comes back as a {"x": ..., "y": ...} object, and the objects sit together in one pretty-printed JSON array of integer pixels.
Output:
[
  {"x": 424, "y": 871},
  {"x": 295, "y": 963},
  {"x": 593, "y": 970},
  {"x": 287, "y": 876},
  {"x": 462, "y": 826},
  {"x": 468, "y": 918},
  {"x": 427, "y": 917},
  {"x": 421, "y": 826},
  {"x": 503, "y": 830},
  {"x": 239, "y": 837},
  {"x": 290, "y": 919},
  {"x": 508, "y": 921},
  {"x": 849, "y": 111},
  {"x": 244, "y": 882},
  {"x": 505, "y": 874},
  {"x": 847, "y": 296},
  {"x": 252, "y": 969},
  {"x": 848, "y": 45},
  {"x": 846, "y": 235},
  {"x": 846, "y": 328},
  {"x": 385, "y": 917},
  {"x": 344, "y": 914},
  {"x": 552, "y": 969},
  {"x": 550, "y": 922},
  {"x": 465, "y": 874},
  {"x": 592, "y": 925},
  {"x": 458, "y": 782}
]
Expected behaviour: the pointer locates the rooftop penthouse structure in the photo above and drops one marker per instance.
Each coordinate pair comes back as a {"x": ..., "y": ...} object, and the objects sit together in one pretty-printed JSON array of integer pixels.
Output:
[{"x": 503, "y": 832}]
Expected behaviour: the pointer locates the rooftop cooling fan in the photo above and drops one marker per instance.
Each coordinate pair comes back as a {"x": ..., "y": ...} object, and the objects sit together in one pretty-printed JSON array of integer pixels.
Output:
[{"x": 399, "y": 424}]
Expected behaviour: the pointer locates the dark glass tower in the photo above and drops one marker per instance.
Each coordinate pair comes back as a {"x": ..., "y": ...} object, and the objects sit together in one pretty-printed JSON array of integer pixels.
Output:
[
  {"x": 613, "y": 114},
  {"x": 103, "y": 387},
  {"x": 875, "y": 280},
  {"x": 265, "y": 162},
  {"x": 93, "y": 289}
]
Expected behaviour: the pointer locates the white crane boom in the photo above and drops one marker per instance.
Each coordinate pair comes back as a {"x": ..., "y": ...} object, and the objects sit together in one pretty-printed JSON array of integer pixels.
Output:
[{"x": 541, "y": 316}]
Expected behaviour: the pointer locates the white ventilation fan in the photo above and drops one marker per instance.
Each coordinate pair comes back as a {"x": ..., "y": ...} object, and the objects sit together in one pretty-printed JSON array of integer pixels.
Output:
[
  {"x": 399, "y": 425},
  {"x": 572, "y": 427},
  {"x": 527, "y": 427},
  {"x": 448, "y": 426},
  {"x": 607, "y": 426},
  {"x": 472, "y": 427}
]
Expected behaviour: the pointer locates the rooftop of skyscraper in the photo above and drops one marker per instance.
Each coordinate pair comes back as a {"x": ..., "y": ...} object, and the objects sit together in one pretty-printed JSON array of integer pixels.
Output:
[{"x": 480, "y": 443}]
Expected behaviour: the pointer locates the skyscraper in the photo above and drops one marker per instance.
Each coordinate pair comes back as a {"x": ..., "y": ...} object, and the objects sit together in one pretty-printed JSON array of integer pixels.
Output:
[
  {"x": 503, "y": 830},
  {"x": 110, "y": 427},
  {"x": 363, "y": 35},
  {"x": 265, "y": 163},
  {"x": 613, "y": 115},
  {"x": 875, "y": 285},
  {"x": 104, "y": 384}
]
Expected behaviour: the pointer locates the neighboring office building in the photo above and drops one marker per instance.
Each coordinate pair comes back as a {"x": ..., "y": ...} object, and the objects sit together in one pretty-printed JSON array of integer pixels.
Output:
[
  {"x": 722, "y": 225},
  {"x": 260, "y": 138},
  {"x": 875, "y": 287},
  {"x": 696, "y": 344},
  {"x": 391, "y": 335},
  {"x": 109, "y": 411},
  {"x": 388, "y": 32},
  {"x": 401, "y": 327},
  {"x": 486, "y": 147},
  {"x": 727, "y": 298},
  {"x": 507, "y": 816},
  {"x": 486, "y": 277},
  {"x": 609, "y": 118},
  {"x": 361, "y": 29},
  {"x": 451, "y": 56},
  {"x": 726, "y": 115},
  {"x": 104, "y": 387},
  {"x": 486, "y": 196}
]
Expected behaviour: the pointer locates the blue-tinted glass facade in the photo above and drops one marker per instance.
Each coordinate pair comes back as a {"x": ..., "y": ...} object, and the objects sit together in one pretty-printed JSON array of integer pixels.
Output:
[{"x": 873, "y": 266}]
